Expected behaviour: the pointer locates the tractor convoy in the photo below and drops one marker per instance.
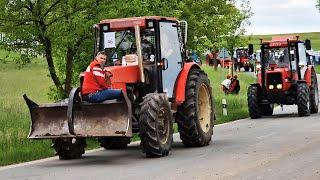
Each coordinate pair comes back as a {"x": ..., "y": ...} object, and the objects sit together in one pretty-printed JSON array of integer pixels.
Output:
[
  {"x": 287, "y": 77},
  {"x": 159, "y": 87}
]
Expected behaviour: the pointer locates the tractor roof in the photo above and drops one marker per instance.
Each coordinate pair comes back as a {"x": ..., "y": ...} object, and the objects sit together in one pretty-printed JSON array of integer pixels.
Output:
[
  {"x": 123, "y": 23},
  {"x": 280, "y": 41}
]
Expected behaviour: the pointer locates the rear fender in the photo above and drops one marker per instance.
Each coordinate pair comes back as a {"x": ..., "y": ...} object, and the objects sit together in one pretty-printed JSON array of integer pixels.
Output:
[
  {"x": 307, "y": 75},
  {"x": 181, "y": 82}
]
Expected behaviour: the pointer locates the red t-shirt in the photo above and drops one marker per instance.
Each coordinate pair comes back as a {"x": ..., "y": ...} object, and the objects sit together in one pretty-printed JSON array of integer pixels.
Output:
[{"x": 94, "y": 79}]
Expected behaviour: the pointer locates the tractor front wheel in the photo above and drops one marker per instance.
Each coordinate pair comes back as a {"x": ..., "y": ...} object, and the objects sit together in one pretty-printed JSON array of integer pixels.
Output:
[
  {"x": 114, "y": 142},
  {"x": 314, "y": 94},
  {"x": 253, "y": 102},
  {"x": 195, "y": 117},
  {"x": 266, "y": 110},
  {"x": 69, "y": 148},
  {"x": 246, "y": 68},
  {"x": 156, "y": 125},
  {"x": 303, "y": 100}
]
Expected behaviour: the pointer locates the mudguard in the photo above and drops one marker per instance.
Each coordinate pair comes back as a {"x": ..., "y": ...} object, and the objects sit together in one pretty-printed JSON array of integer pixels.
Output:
[{"x": 181, "y": 82}]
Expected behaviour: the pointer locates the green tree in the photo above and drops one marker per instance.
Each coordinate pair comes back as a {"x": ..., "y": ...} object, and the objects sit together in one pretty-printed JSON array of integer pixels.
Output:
[
  {"x": 238, "y": 21},
  {"x": 60, "y": 30}
]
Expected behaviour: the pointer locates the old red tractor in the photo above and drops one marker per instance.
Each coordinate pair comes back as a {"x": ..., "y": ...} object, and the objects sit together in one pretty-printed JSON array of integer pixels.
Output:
[
  {"x": 242, "y": 59},
  {"x": 286, "y": 77},
  {"x": 159, "y": 87}
]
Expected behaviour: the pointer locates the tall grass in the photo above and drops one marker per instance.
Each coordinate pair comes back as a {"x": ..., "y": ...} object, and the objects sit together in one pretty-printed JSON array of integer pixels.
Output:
[{"x": 14, "y": 116}]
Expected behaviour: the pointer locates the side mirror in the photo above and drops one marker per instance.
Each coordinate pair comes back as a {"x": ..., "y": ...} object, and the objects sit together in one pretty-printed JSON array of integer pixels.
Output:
[
  {"x": 307, "y": 43},
  {"x": 250, "y": 49}
]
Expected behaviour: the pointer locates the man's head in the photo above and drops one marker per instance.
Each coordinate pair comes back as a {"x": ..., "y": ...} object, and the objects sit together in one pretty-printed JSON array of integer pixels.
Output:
[{"x": 101, "y": 57}]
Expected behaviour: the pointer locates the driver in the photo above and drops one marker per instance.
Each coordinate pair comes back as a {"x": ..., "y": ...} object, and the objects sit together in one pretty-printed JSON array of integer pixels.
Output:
[{"x": 147, "y": 48}]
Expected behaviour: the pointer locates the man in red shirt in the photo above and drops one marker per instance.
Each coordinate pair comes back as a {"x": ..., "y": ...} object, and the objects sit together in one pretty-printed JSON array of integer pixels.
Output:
[{"x": 95, "y": 87}]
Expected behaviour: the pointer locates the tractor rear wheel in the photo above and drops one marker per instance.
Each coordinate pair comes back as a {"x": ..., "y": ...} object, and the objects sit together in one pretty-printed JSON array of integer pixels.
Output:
[
  {"x": 314, "y": 95},
  {"x": 266, "y": 110},
  {"x": 195, "y": 117},
  {"x": 253, "y": 102},
  {"x": 156, "y": 125},
  {"x": 114, "y": 142},
  {"x": 69, "y": 148},
  {"x": 303, "y": 100}
]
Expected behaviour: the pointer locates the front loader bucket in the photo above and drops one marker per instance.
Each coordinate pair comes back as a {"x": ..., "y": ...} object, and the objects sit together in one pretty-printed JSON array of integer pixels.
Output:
[
  {"x": 75, "y": 118},
  {"x": 109, "y": 118},
  {"x": 48, "y": 120}
]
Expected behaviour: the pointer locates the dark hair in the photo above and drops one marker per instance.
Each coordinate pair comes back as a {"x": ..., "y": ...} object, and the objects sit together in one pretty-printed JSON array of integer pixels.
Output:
[{"x": 101, "y": 53}]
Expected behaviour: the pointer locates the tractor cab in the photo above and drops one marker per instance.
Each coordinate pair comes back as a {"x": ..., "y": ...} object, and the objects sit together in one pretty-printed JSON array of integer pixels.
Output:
[
  {"x": 286, "y": 77},
  {"x": 150, "y": 47}
]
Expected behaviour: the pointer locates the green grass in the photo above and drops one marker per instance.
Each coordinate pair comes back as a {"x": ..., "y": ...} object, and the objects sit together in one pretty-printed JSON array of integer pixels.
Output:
[
  {"x": 313, "y": 36},
  {"x": 32, "y": 79},
  {"x": 317, "y": 68},
  {"x": 236, "y": 104},
  {"x": 14, "y": 116}
]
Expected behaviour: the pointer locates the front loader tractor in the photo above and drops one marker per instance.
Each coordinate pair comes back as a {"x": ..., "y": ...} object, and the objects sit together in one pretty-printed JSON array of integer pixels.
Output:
[
  {"x": 148, "y": 63},
  {"x": 286, "y": 77}
]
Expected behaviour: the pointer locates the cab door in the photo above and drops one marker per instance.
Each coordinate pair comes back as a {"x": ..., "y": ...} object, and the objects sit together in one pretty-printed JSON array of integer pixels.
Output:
[{"x": 170, "y": 55}]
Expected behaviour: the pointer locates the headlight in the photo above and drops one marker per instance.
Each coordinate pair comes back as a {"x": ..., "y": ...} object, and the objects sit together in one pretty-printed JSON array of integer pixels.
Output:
[
  {"x": 279, "y": 86},
  {"x": 271, "y": 87}
]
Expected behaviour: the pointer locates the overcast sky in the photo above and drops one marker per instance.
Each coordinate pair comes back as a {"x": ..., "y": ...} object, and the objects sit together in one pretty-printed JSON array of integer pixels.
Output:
[{"x": 284, "y": 16}]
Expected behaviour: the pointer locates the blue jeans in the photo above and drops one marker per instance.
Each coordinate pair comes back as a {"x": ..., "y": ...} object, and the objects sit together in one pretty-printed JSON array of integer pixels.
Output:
[{"x": 102, "y": 95}]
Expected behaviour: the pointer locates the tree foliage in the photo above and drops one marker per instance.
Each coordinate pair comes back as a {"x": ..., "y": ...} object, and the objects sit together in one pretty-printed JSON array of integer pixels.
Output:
[{"x": 60, "y": 30}]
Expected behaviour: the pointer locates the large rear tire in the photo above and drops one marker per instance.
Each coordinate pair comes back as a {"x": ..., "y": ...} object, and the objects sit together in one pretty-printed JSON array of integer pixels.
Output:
[
  {"x": 303, "y": 100},
  {"x": 69, "y": 148},
  {"x": 195, "y": 117},
  {"x": 314, "y": 94},
  {"x": 156, "y": 125},
  {"x": 253, "y": 102},
  {"x": 114, "y": 142}
]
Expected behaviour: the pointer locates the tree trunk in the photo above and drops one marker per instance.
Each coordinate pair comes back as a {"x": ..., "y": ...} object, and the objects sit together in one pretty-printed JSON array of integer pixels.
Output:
[
  {"x": 52, "y": 70},
  {"x": 69, "y": 70}
]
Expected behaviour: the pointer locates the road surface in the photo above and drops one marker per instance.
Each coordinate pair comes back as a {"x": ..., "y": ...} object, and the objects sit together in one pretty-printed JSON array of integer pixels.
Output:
[{"x": 283, "y": 146}]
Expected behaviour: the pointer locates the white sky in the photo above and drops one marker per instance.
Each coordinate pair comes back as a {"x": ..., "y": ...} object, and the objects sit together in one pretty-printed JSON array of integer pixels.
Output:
[{"x": 284, "y": 16}]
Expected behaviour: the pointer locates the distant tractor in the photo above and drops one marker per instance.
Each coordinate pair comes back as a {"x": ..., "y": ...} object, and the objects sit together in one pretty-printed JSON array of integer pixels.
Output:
[
  {"x": 159, "y": 87},
  {"x": 286, "y": 77},
  {"x": 242, "y": 59}
]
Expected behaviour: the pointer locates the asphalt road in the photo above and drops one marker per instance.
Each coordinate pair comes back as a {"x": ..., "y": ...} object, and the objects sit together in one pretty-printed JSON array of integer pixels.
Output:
[{"x": 282, "y": 146}]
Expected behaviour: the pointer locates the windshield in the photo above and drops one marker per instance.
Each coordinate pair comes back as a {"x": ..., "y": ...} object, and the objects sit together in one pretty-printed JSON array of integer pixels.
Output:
[
  {"x": 279, "y": 56},
  {"x": 242, "y": 53},
  {"x": 121, "y": 47}
]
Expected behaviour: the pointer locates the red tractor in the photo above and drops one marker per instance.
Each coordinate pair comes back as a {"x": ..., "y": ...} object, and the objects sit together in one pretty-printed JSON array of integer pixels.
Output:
[
  {"x": 242, "y": 59},
  {"x": 286, "y": 77},
  {"x": 159, "y": 87}
]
